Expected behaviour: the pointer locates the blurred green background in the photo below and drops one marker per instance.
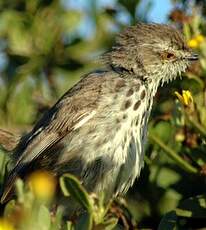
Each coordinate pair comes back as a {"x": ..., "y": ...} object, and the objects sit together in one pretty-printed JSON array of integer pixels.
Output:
[{"x": 46, "y": 46}]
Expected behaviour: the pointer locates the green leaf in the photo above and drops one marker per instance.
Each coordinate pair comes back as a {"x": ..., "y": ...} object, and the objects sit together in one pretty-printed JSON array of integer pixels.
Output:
[
  {"x": 70, "y": 226},
  {"x": 71, "y": 185},
  {"x": 44, "y": 219},
  {"x": 20, "y": 105},
  {"x": 193, "y": 207},
  {"x": 9, "y": 208},
  {"x": 20, "y": 190},
  {"x": 163, "y": 130},
  {"x": 84, "y": 222},
  {"x": 70, "y": 20},
  {"x": 169, "y": 221},
  {"x": 56, "y": 223}
]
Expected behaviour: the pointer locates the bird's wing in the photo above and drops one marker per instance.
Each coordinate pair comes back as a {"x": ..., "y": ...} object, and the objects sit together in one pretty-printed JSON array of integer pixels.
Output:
[
  {"x": 71, "y": 112},
  {"x": 47, "y": 138}
]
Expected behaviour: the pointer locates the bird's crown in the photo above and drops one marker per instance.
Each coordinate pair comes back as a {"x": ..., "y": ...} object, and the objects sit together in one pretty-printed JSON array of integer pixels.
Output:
[{"x": 150, "y": 50}]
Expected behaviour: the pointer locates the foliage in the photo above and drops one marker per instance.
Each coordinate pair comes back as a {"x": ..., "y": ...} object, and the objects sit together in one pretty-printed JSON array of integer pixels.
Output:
[{"x": 40, "y": 58}]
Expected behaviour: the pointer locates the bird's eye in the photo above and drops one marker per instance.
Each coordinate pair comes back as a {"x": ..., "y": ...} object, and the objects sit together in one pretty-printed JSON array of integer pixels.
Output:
[{"x": 168, "y": 56}]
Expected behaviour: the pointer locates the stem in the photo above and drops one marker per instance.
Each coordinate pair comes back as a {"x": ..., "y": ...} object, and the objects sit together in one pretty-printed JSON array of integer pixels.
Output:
[{"x": 172, "y": 154}]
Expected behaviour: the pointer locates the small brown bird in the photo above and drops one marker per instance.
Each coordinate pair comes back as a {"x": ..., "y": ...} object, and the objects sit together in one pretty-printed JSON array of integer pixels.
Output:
[{"x": 97, "y": 130}]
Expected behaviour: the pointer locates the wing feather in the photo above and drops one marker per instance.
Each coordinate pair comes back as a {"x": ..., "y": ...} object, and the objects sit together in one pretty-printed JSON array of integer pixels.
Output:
[{"x": 70, "y": 113}]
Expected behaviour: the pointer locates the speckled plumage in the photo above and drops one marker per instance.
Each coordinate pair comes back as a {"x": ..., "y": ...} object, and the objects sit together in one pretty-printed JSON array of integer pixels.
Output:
[{"x": 97, "y": 130}]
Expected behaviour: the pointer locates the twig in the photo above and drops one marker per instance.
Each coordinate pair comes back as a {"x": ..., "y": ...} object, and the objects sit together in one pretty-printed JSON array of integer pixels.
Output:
[{"x": 172, "y": 154}]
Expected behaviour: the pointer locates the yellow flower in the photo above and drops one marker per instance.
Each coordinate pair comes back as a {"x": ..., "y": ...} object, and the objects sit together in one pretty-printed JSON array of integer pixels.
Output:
[
  {"x": 196, "y": 41},
  {"x": 42, "y": 184},
  {"x": 192, "y": 43},
  {"x": 200, "y": 38},
  {"x": 186, "y": 98},
  {"x": 5, "y": 224}
]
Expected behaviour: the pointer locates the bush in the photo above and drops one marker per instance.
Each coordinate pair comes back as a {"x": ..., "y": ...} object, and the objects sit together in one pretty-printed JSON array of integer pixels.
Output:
[{"x": 39, "y": 59}]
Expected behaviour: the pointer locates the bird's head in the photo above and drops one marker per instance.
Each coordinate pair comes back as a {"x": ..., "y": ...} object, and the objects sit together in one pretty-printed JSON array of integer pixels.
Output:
[{"x": 151, "y": 51}]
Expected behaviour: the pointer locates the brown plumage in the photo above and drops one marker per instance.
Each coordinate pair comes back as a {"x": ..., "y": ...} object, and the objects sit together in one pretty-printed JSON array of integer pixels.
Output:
[{"x": 97, "y": 130}]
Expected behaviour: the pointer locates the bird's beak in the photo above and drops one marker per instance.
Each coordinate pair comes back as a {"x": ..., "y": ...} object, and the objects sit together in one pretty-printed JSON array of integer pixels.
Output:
[{"x": 192, "y": 57}]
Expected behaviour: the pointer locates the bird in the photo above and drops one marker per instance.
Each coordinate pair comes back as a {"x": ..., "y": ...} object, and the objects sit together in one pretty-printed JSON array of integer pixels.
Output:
[{"x": 98, "y": 129}]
